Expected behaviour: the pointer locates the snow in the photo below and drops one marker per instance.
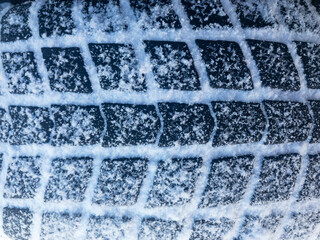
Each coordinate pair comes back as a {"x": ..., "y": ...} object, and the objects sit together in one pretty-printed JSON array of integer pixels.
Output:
[
  {"x": 155, "y": 14},
  {"x": 108, "y": 227},
  {"x": 238, "y": 122},
  {"x": 155, "y": 229},
  {"x": 30, "y": 125},
  {"x": 255, "y": 13},
  {"x": 117, "y": 67},
  {"x": 310, "y": 187},
  {"x": 17, "y": 222},
  {"x": 258, "y": 227},
  {"x": 225, "y": 65},
  {"x": 22, "y": 73},
  {"x": 129, "y": 124},
  {"x": 301, "y": 226},
  {"x": 119, "y": 181},
  {"x": 174, "y": 182},
  {"x": 15, "y": 23},
  {"x": 76, "y": 125},
  {"x": 211, "y": 228},
  {"x": 55, "y": 18},
  {"x": 23, "y": 178},
  {"x": 89, "y": 152},
  {"x": 227, "y": 181},
  {"x": 297, "y": 15},
  {"x": 172, "y": 65},
  {"x": 69, "y": 179},
  {"x": 60, "y": 226},
  {"x": 206, "y": 14},
  {"x": 102, "y": 16},
  {"x": 275, "y": 65},
  {"x": 277, "y": 178}
]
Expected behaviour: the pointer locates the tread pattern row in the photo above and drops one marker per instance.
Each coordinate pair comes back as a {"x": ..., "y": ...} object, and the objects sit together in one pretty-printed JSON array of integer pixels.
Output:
[
  {"x": 120, "y": 180},
  {"x": 115, "y": 124},
  {"x": 172, "y": 66}
]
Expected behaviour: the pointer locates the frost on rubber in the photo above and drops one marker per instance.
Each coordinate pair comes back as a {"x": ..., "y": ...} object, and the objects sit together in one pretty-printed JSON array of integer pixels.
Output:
[{"x": 161, "y": 120}]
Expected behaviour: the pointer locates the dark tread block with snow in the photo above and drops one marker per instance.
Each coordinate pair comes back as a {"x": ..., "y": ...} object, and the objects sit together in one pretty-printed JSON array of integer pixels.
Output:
[
  {"x": 100, "y": 16},
  {"x": 55, "y": 18},
  {"x": 311, "y": 185},
  {"x": 159, "y": 229},
  {"x": 254, "y": 14},
  {"x": 297, "y": 16},
  {"x": 23, "y": 177},
  {"x": 277, "y": 178},
  {"x": 109, "y": 228},
  {"x": 17, "y": 223},
  {"x": 66, "y": 70},
  {"x": 172, "y": 65},
  {"x": 206, "y": 14},
  {"x": 310, "y": 58},
  {"x": 238, "y": 123},
  {"x": 5, "y": 126},
  {"x": 256, "y": 227},
  {"x": 68, "y": 179},
  {"x": 275, "y": 65},
  {"x": 185, "y": 124},
  {"x": 301, "y": 226},
  {"x": 60, "y": 225},
  {"x": 174, "y": 182},
  {"x": 14, "y": 24},
  {"x": 30, "y": 125},
  {"x": 216, "y": 229},
  {"x": 77, "y": 125},
  {"x": 287, "y": 122},
  {"x": 119, "y": 181},
  {"x": 155, "y": 14},
  {"x": 227, "y": 181},
  {"x": 225, "y": 64},
  {"x": 316, "y": 4},
  {"x": 315, "y": 108},
  {"x": 129, "y": 124},
  {"x": 1, "y": 160},
  {"x": 117, "y": 67},
  {"x": 22, "y": 73}
]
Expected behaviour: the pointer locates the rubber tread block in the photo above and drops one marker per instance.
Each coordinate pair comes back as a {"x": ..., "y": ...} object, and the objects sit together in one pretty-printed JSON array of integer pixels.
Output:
[
  {"x": 66, "y": 70},
  {"x": 119, "y": 181},
  {"x": 22, "y": 73},
  {"x": 227, "y": 181},
  {"x": 129, "y": 124},
  {"x": 277, "y": 178},
  {"x": 68, "y": 179},
  {"x": 30, "y": 125},
  {"x": 55, "y": 18},
  {"x": 275, "y": 65},
  {"x": 206, "y": 14},
  {"x": 287, "y": 122},
  {"x": 117, "y": 67},
  {"x": 185, "y": 124},
  {"x": 238, "y": 123},
  {"x": 174, "y": 182},
  {"x": 155, "y": 14},
  {"x": 77, "y": 125},
  {"x": 14, "y": 23},
  {"x": 172, "y": 65}
]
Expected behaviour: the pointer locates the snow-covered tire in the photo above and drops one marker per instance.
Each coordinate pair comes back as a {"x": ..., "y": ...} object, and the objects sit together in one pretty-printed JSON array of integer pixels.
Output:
[{"x": 145, "y": 119}]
